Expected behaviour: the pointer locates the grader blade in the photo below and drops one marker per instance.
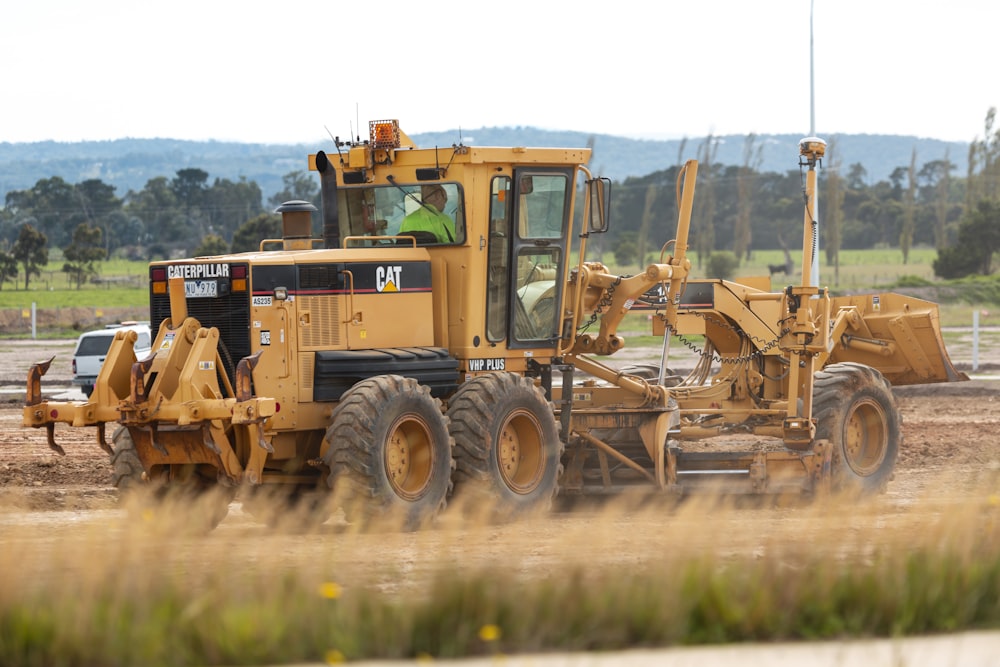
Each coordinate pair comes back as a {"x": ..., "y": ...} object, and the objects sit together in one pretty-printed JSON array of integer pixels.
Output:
[{"x": 898, "y": 335}]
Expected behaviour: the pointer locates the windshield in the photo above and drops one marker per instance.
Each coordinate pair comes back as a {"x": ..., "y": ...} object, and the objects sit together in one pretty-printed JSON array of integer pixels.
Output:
[
  {"x": 432, "y": 213},
  {"x": 94, "y": 346}
]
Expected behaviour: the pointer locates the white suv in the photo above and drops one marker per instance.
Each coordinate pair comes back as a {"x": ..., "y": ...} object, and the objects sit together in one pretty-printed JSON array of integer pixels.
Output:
[{"x": 93, "y": 346}]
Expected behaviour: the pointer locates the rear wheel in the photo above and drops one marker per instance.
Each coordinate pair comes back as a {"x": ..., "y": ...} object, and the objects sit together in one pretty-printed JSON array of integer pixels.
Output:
[
  {"x": 856, "y": 411},
  {"x": 389, "y": 453},
  {"x": 507, "y": 447}
]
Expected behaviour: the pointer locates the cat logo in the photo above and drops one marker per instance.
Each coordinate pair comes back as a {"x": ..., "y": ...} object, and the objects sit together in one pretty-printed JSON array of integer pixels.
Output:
[{"x": 387, "y": 278}]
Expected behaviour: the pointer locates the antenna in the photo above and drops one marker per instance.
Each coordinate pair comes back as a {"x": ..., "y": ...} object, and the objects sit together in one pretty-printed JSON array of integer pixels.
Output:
[{"x": 336, "y": 142}]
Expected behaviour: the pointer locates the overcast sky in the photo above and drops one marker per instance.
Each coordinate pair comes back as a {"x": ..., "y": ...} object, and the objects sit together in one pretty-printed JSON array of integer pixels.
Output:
[{"x": 278, "y": 72}]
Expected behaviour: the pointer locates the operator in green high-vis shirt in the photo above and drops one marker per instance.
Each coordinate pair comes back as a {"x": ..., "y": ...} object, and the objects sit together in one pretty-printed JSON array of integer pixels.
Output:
[{"x": 429, "y": 217}]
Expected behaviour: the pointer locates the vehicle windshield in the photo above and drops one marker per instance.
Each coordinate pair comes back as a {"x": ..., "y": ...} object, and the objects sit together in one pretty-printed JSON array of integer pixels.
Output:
[
  {"x": 99, "y": 344},
  {"x": 94, "y": 346},
  {"x": 392, "y": 210}
]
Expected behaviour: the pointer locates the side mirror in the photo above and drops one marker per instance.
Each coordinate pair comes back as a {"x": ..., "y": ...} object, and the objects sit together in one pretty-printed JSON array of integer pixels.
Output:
[{"x": 599, "y": 211}]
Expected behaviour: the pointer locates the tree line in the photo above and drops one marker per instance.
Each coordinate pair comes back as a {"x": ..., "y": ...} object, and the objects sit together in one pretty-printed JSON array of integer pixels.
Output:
[
  {"x": 169, "y": 217},
  {"x": 738, "y": 209}
]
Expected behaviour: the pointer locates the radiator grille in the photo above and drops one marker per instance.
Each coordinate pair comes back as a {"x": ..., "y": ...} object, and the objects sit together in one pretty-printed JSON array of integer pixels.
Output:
[{"x": 229, "y": 313}]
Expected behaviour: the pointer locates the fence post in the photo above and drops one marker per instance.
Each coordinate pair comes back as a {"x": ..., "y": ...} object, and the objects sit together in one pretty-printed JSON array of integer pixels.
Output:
[{"x": 975, "y": 340}]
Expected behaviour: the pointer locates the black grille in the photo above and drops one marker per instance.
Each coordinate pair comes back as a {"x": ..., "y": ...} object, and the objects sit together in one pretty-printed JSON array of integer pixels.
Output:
[
  {"x": 229, "y": 313},
  {"x": 320, "y": 276}
]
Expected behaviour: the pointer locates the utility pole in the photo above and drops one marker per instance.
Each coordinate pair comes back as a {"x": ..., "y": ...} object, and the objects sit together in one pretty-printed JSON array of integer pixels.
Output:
[{"x": 812, "y": 78}]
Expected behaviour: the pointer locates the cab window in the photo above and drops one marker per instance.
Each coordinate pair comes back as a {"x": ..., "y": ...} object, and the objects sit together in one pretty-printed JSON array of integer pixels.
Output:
[
  {"x": 542, "y": 206},
  {"x": 433, "y": 213}
]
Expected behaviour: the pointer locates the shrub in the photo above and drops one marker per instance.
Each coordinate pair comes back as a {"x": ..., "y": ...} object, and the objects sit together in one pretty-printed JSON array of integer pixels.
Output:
[{"x": 722, "y": 265}]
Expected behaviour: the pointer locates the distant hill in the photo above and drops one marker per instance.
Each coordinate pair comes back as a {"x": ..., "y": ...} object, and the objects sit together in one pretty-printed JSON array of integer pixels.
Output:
[{"x": 129, "y": 163}]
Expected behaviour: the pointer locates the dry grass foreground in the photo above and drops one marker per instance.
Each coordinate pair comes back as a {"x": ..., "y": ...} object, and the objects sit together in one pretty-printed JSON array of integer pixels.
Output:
[
  {"x": 626, "y": 573},
  {"x": 923, "y": 558}
]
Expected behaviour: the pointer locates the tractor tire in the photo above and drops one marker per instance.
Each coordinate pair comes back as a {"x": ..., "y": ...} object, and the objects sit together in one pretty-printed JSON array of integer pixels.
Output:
[
  {"x": 126, "y": 473},
  {"x": 143, "y": 500},
  {"x": 855, "y": 410},
  {"x": 507, "y": 447},
  {"x": 293, "y": 510},
  {"x": 389, "y": 453}
]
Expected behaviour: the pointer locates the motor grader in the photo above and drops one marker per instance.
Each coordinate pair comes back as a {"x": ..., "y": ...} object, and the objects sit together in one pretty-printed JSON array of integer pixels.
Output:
[{"x": 391, "y": 370}]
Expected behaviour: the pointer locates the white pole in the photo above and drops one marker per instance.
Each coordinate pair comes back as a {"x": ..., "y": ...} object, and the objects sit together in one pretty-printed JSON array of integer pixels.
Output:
[
  {"x": 814, "y": 274},
  {"x": 975, "y": 341},
  {"x": 34, "y": 321},
  {"x": 812, "y": 78}
]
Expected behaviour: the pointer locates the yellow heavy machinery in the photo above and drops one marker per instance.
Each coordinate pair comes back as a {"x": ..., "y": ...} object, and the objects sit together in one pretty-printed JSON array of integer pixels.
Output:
[{"x": 390, "y": 367}]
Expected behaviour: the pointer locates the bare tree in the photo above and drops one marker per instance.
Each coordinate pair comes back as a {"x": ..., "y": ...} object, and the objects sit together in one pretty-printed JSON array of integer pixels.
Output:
[
  {"x": 971, "y": 195},
  {"x": 645, "y": 223},
  {"x": 746, "y": 179},
  {"x": 705, "y": 212},
  {"x": 909, "y": 209},
  {"x": 941, "y": 204},
  {"x": 984, "y": 164},
  {"x": 833, "y": 221}
]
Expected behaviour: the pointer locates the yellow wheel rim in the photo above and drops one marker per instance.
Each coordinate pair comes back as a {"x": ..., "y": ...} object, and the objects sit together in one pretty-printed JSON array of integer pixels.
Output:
[
  {"x": 521, "y": 452},
  {"x": 866, "y": 437},
  {"x": 409, "y": 457}
]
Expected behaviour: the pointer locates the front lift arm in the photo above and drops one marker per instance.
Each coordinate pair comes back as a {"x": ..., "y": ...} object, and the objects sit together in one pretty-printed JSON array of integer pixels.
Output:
[
  {"x": 617, "y": 296},
  {"x": 611, "y": 296}
]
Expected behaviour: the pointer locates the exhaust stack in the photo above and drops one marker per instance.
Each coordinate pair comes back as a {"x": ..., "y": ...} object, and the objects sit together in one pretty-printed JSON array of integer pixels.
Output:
[
  {"x": 328, "y": 191},
  {"x": 296, "y": 224}
]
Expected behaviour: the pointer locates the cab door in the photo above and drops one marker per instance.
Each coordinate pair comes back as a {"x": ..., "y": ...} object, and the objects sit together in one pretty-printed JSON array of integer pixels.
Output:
[{"x": 539, "y": 241}]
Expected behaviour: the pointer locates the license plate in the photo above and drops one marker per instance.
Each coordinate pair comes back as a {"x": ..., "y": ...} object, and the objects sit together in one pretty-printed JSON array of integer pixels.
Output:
[{"x": 201, "y": 289}]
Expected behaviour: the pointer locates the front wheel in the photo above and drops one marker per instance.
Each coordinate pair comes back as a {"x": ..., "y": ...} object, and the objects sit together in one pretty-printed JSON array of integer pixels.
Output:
[
  {"x": 856, "y": 411},
  {"x": 507, "y": 447},
  {"x": 389, "y": 452},
  {"x": 176, "y": 496},
  {"x": 125, "y": 464}
]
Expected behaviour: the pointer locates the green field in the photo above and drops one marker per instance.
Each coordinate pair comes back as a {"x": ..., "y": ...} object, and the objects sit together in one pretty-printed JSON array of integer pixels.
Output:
[{"x": 122, "y": 284}]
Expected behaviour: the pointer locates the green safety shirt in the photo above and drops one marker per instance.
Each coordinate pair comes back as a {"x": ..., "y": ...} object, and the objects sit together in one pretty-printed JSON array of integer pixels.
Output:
[{"x": 429, "y": 219}]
